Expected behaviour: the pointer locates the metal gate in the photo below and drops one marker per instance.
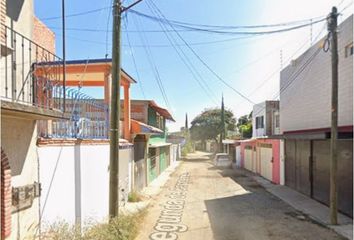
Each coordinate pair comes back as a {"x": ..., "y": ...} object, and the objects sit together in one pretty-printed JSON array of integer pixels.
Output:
[
  {"x": 321, "y": 174},
  {"x": 238, "y": 156},
  {"x": 297, "y": 165},
  {"x": 139, "y": 165},
  {"x": 307, "y": 164},
  {"x": 248, "y": 157},
  {"x": 266, "y": 161}
]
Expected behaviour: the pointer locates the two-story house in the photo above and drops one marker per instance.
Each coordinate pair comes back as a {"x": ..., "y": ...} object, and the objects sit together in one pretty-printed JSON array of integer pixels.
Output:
[
  {"x": 25, "y": 98},
  {"x": 262, "y": 154},
  {"x": 265, "y": 119},
  {"x": 305, "y": 120},
  {"x": 149, "y": 133}
]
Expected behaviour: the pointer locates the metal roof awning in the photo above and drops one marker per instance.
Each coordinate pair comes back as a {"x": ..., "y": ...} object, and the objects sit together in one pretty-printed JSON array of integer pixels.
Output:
[{"x": 142, "y": 128}]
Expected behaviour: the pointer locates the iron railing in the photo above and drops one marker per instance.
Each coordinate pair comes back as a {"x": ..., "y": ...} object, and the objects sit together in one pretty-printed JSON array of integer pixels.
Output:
[
  {"x": 26, "y": 77},
  {"x": 88, "y": 119}
]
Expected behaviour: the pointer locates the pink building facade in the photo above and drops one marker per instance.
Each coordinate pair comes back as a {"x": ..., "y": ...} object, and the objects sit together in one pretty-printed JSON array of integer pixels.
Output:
[{"x": 263, "y": 156}]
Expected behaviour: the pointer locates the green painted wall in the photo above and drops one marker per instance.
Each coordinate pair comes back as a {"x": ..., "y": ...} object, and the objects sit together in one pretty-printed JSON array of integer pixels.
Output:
[
  {"x": 156, "y": 167},
  {"x": 163, "y": 159},
  {"x": 152, "y": 165}
]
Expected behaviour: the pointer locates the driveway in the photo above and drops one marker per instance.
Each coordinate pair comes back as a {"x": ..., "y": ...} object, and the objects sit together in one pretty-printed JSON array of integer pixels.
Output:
[{"x": 201, "y": 201}]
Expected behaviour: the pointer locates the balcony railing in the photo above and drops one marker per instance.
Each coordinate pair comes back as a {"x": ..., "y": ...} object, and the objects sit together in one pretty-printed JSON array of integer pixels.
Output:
[
  {"x": 88, "y": 119},
  {"x": 25, "y": 76}
]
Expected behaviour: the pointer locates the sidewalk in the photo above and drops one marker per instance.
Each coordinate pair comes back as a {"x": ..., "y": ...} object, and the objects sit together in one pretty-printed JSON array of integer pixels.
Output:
[
  {"x": 153, "y": 189},
  {"x": 315, "y": 210}
]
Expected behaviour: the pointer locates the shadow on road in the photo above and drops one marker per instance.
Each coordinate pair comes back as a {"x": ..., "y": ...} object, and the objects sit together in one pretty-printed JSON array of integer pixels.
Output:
[{"x": 257, "y": 214}]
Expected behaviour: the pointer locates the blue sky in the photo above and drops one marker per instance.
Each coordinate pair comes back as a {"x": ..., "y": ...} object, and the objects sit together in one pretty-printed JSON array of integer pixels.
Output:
[{"x": 249, "y": 65}]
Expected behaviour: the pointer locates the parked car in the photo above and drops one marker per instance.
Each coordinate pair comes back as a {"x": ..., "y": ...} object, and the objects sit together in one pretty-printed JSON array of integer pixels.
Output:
[{"x": 222, "y": 160}]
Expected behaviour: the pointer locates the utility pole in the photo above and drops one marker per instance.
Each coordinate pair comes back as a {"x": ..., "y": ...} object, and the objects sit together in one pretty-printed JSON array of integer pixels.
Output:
[
  {"x": 222, "y": 134},
  {"x": 114, "y": 114},
  {"x": 332, "y": 27},
  {"x": 115, "y": 109}
]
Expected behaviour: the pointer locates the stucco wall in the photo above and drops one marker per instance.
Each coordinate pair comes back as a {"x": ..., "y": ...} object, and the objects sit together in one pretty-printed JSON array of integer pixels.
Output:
[
  {"x": 81, "y": 181},
  {"x": 18, "y": 140},
  {"x": 258, "y": 111},
  {"x": 277, "y": 152},
  {"x": 306, "y": 103}
]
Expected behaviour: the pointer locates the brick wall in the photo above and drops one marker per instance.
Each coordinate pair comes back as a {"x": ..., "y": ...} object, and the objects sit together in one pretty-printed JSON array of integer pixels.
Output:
[
  {"x": 43, "y": 36},
  {"x": 6, "y": 196},
  {"x": 2, "y": 20}
]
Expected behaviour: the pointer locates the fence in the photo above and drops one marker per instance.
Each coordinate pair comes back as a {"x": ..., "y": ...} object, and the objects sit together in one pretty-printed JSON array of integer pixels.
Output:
[
  {"x": 88, "y": 119},
  {"x": 30, "y": 74}
]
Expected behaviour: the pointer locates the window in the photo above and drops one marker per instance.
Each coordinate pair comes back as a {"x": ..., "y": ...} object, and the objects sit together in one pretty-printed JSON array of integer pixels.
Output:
[
  {"x": 152, "y": 156},
  {"x": 259, "y": 122},
  {"x": 349, "y": 50}
]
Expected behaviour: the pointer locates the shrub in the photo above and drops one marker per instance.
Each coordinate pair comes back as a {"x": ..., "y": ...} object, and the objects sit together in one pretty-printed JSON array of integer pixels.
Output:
[
  {"x": 187, "y": 148},
  {"x": 134, "y": 197},
  {"x": 124, "y": 227}
]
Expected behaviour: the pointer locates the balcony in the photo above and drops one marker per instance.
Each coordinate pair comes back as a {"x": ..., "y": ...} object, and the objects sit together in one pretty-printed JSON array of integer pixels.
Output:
[
  {"x": 29, "y": 87},
  {"x": 89, "y": 119}
]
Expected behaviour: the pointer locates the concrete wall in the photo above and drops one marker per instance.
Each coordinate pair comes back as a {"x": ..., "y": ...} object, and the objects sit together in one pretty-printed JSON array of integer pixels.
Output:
[
  {"x": 277, "y": 154},
  {"x": 20, "y": 17},
  {"x": 18, "y": 140},
  {"x": 306, "y": 103},
  {"x": 268, "y": 110},
  {"x": 81, "y": 181}
]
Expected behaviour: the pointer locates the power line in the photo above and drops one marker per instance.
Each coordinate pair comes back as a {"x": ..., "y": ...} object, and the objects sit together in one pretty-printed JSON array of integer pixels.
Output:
[
  {"x": 184, "y": 58},
  {"x": 152, "y": 45},
  {"x": 180, "y": 23},
  {"x": 153, "y": 65},
  {"x": 288, "y": 59},
  {"x": 76, "y": 14},
  {"x": 295, "y": 75},
  {"x": 208, "y": 30},
  {"x": 203, "y": 62},
  {"x": 107, "y": 31},
  {"x": 135, "y": 65}
]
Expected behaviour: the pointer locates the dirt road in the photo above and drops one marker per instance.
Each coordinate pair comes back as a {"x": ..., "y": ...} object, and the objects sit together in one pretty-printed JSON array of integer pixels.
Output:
[{"x": 203, "y": 202}]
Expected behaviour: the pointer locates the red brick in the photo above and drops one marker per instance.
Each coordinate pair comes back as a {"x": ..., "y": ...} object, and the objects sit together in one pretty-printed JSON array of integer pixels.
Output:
[{"x": 6, "y": 194}]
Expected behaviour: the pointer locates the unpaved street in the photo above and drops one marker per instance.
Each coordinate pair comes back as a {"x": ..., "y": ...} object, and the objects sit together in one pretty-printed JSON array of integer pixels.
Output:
[{"x": 203, "y": 202}]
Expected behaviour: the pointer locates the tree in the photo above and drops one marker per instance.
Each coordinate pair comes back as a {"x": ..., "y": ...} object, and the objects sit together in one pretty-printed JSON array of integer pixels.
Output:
[
  {"x": 208, "y": 126},
  {"x": 244, "y": 125}
]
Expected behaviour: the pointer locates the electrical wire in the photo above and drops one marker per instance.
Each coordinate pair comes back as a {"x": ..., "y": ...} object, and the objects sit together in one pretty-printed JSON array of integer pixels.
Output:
[
  {"x": 76, "y": 14},
  {"x": 184, "y": 58},
  {"x": 180, "y": 23},
  {"x": 152, "y": 64},
  {"x": 203, "y": 62},
  {"x": 288, "y": 59},
  {"x": 135, "y": 65},
  {"x": 206, "y": 30}
]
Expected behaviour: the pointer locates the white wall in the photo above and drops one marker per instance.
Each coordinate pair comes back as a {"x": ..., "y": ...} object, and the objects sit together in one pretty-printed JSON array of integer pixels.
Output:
[
  {"x": 18, "y": 140},
  {"x": 81, "y": 181},
  {"x": 306, "y": 103},
  {"x": 258, "y": 111}
]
